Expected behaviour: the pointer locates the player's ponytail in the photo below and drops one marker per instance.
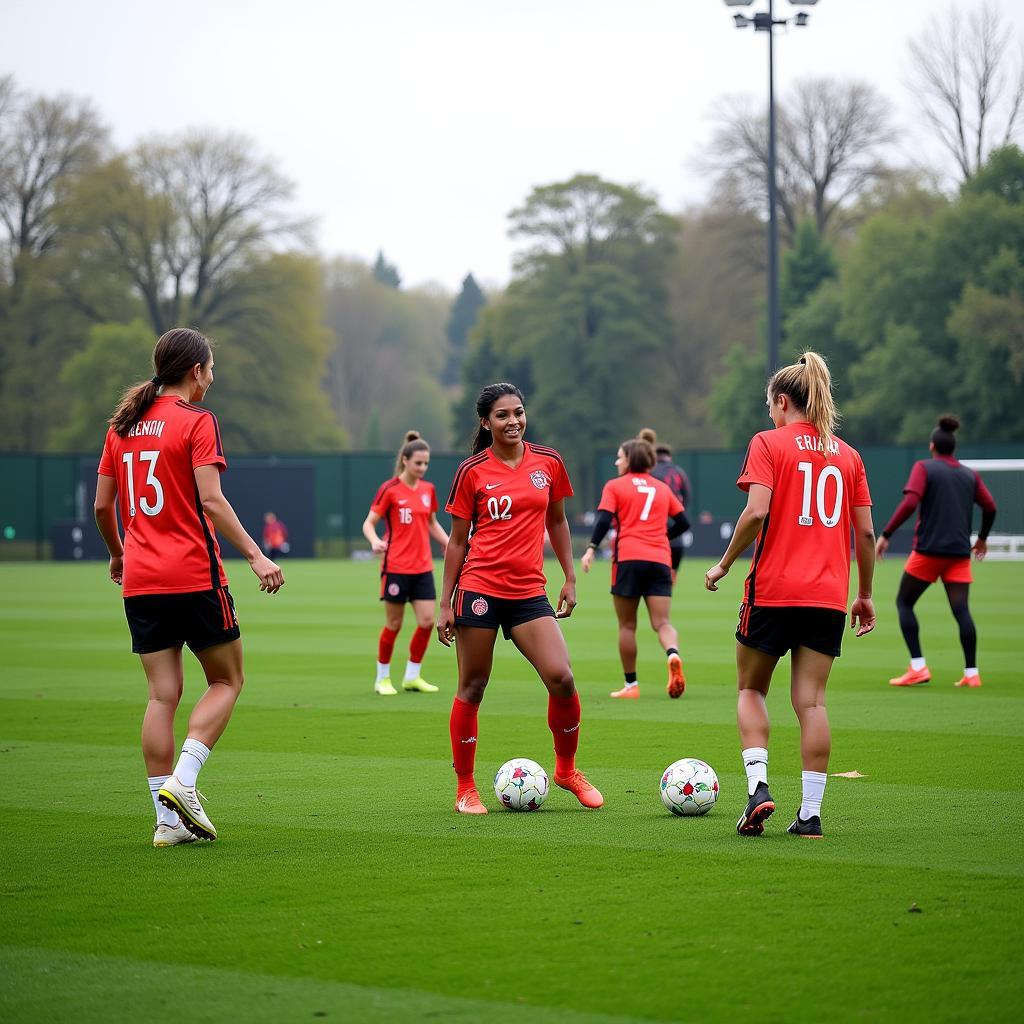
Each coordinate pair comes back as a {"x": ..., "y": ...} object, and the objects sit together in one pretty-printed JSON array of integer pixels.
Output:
[
  {"x": 176, "y": 353},
  {"x": 413, "y": 443},
  {"x": 647, "y": 434},
  {"x": 484, "y": 404},
  {"x": 639, "y": 453},
  {"x": 943, "y": 435},
  {"x": 808, "y": 385}
]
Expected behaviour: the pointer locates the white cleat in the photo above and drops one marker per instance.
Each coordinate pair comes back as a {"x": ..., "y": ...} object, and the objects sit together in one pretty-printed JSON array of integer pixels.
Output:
[
  {"x": 171, "y": 835},
  {"x": 186, "y": 802}
]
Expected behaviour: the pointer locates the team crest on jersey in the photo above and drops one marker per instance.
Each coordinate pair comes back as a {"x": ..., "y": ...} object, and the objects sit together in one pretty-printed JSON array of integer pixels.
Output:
[
  {"x": 540, "y": 479},
  {"x": 393, "y": 589},
  {"x": 425, "y": 500},
  {"x": 479, "y": 606}
]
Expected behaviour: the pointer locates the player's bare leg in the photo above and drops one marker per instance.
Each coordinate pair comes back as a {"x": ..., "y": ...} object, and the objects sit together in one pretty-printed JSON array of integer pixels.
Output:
[
  {"x": 754, "y": 676},
  {"x": 165, "y": 679},
  {"x": 809, "y": 677},
  {"x": 625, "y": 612},
  {"x": 542, "y": 644},
  {"x": 474, "y": 650},
  {"x": 659, "y": 610}
]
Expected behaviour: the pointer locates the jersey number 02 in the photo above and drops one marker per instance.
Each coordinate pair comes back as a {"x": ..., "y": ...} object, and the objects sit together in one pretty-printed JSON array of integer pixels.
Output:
[
  {"x": 828, "y": 473},
  {"x": 149, "y": 508}
]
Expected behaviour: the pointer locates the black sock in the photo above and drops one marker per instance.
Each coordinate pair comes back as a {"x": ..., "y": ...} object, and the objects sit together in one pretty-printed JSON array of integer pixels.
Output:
[
  {"x": 671, "y": 651},
  {"x": 630, "y": 678}
]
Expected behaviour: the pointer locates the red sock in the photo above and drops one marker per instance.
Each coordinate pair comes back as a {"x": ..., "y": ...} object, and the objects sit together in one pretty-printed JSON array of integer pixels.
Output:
[
  {"x": 385, "y": 645},
  {"x": 564, "y": 723},
  {"x": 418, "y": 644},
  {"x": 462, "y": 727}
]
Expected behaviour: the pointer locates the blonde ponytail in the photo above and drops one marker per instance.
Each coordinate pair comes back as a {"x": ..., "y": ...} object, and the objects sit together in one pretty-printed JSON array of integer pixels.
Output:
[{"x": 808, "y": 385}]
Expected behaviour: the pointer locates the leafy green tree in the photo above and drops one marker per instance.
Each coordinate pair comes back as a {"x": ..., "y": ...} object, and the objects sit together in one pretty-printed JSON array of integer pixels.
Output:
[
  {"x": 386, "y": 273},
  {"x": 463, "y": 317},
  {"x": 805, "y": 266},
  {"x": 1002, "y": 175},
  {"x": 738, "y": 400}
]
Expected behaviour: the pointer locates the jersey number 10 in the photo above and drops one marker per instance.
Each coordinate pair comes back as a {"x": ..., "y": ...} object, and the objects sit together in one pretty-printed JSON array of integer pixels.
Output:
[
  {"x": 828, "y": 473},
  {"x": 149, "y": 508}
]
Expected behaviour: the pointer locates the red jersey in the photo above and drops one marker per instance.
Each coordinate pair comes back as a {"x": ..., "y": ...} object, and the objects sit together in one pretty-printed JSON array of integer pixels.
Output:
[
  {"x": 640, "y": 506},
  {"x": 508, "y": 509},
  {"x": 406, "y": 512},
  {"x": 802, "y": 554},
  {"x": 170, "y": 545}
]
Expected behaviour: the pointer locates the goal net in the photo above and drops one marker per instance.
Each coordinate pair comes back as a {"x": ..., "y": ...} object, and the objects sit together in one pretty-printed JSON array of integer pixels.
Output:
[{"x": 1005, "y": 479}]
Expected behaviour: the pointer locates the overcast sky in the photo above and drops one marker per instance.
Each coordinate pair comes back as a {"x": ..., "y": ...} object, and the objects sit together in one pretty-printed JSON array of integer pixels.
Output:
[{"x": 416, "y": 125}]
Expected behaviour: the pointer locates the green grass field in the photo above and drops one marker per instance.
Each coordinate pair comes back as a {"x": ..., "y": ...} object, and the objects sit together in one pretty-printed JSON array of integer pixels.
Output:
[{"x": 344, "y": 887}]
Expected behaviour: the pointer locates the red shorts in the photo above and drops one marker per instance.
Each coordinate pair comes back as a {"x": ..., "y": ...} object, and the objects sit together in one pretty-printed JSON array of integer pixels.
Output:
[{"x": 933, "y": 567}]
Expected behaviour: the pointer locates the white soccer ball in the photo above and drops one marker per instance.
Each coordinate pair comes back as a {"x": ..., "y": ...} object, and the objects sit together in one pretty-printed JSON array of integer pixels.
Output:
[
  {"x": 689, "y": 787},
  {"x": 521, "y": 785}
]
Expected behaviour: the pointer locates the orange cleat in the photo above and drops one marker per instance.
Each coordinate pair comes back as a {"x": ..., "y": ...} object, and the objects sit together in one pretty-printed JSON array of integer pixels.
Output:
[
  {"x": 676, "y": 681},
  {"x": 630, "y": 692},
  {"x": 912, "y": 677},
  {"x": 969, "y": 681},
  {"x": 469, "y": 803},
  {"x": 578, "y": 785}
]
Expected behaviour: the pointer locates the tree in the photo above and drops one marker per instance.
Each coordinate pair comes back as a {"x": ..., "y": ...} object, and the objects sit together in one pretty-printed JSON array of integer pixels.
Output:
[
  {"x": 970, "y": 91},
  {"x": 1002, "y": 176},
  {"x": 804, "y": 267},
  {"x": 386, "y": 273},
  {"x": 463, "y": 317},
  {"x": 830, "y": 135}
]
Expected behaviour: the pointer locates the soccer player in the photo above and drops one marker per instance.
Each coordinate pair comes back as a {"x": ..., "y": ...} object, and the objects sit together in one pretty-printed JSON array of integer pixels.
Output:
[
  {"x": 161, "y": 466},
  {"x": 678, "y": 483},
  {"x": 805, "y": 489},
  {"x": 408, "y": 506},
  {"x": 944, "y": 494},
  {"x": 275, "y": 536},
  {"x": 509, "y": 491},
  {"x": 647, "y": 514}
]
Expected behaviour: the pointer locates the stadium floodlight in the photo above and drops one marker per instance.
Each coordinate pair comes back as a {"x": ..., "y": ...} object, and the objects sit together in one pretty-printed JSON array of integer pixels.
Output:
[{"x": 765, "y": 21}]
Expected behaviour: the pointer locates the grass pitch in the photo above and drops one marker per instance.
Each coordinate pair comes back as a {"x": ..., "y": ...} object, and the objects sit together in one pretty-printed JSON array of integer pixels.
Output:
[{"x": 344, "y": 887}]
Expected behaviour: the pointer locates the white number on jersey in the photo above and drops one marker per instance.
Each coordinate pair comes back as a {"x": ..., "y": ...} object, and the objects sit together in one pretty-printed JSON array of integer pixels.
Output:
[
  {"x": 643, "y": 488},
  {"x": 405, "y": 515},
  {"x": 500, "y": 508},
  {"x": 148, "y": 508},
  {"x": 828, "y": 473}
]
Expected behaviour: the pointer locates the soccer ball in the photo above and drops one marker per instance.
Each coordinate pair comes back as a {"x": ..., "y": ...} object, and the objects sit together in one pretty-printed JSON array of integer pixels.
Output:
[
  {"x": 689, "y": 787},
  {"x": 521, "y": 784}
]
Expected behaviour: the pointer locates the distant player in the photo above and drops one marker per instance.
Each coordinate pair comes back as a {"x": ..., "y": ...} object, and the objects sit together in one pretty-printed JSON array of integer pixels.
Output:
[
  {"x": 675, "y": 478},
  {"x": 805, "y": 489},
  {"x": 646, "y": 514},
  {"x": 275, "y": 536},
  {"x": 509, "y": 492},
  {"x": 407, "y": 505},
  {"x": 161, "y": 468},
  {"x": 944, "y": 494}
]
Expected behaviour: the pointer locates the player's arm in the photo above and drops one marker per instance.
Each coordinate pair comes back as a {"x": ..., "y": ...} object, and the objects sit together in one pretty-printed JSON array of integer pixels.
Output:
[
  {"x": 377, "y": 546},
  {"x": 105, "y": 511},
  {"x": 748, "y": 526},
  {"x": 602, "y": 523},
  {"x": 436, "y": 531},
  {"x": 863, "y": 609},
  {"x": 983, "y": 497},
  {"x": 454, "y": 559},
  {"x": 222, "y": 515},
  {"x": 913, "y": 492},
  {"x": 561, "y": 543},
  {"x": 677, "y": 525}
]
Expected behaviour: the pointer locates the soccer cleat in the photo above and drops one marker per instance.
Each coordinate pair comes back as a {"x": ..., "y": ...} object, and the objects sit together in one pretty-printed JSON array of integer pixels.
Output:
[
  {"x": 419, "y": 685},
  {"x": 469, "y": 803},
  {"x": 627, "y": 692},
  {"x": 384, "y": 688},
  {"x": 185, "y": 801},
  {"x": 760, "y": 807},
  {"x": 809, "y": 829},
  {"x": 969, "y": 681},
  {"x": 676, "y": 682},
  {"x": 577, "y": 784},
  {"x": 171, "y": 835},
  {"x": 912, "y": 677}
]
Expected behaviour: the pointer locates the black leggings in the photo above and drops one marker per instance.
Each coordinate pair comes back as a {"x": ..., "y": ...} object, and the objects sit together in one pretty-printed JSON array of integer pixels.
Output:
[{"x": 911, "y": 588}]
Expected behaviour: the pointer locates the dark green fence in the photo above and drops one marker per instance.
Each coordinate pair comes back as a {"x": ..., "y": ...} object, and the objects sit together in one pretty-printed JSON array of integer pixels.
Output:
[{"x": 41, "y": 490}]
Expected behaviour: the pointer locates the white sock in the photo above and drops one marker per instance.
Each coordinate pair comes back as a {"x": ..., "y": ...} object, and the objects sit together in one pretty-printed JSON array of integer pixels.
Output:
[
  {"x": 755, "y": 761},
  {"x": 814, "y": 790},
  {"x": 629, "y": 686},
  {"x": 164, "y": 815},
  {"x": 193, "y": 757},
  {"x": 917, "y": 664},
  {"x": 383, "y": 670},
  {"x": 970, "y": 673},
  {"x": 412, "y": 670}
]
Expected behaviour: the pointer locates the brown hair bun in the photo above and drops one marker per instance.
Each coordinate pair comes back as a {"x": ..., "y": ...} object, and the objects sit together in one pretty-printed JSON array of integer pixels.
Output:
[{"x": 949, "y": 423}]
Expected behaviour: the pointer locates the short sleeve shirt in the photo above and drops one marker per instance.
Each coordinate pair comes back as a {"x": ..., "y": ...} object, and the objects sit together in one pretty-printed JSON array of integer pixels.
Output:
[
  {"x": 406, "y": 513},
  {"x": 802, "y": 554},
  {"x": 170, "y": 545},
  {"x": 507, "y": 509},
  {"x": 640, "y": 506}
]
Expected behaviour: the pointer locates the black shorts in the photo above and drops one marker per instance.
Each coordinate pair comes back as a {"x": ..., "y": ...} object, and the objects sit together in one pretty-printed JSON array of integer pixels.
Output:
[
  {"x": 488, "y": 612},
  {"x": 399, "y": 587},
  {"x": 641, "y": 579},
  {"x": 777, "y": 630},
  {"x": 200, "y": 619}
]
